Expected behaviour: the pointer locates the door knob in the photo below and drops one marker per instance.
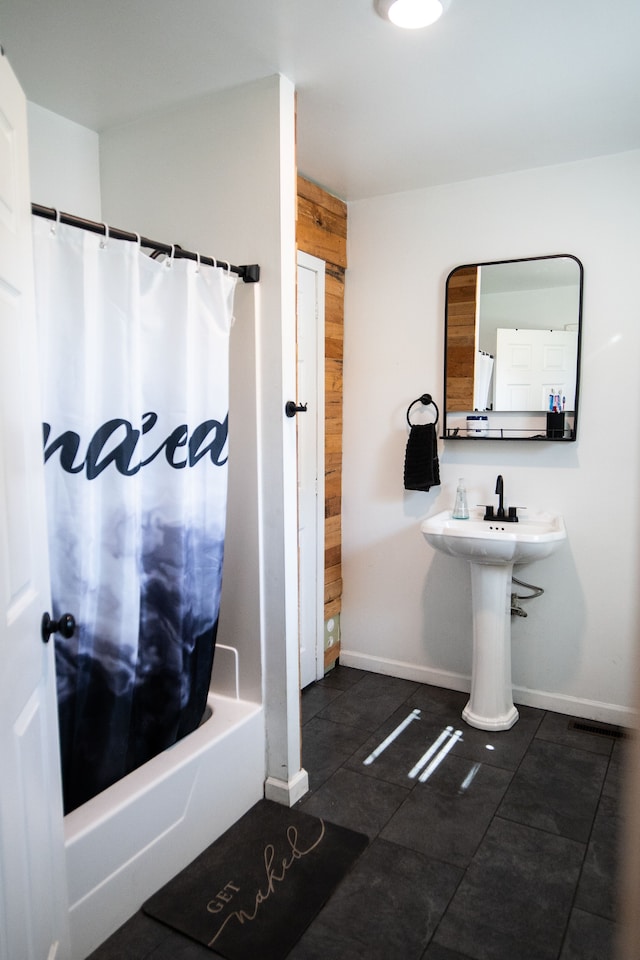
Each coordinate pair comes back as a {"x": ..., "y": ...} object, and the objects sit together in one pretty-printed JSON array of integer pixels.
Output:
[
  {"x": 291, "y": 408},
  {"x": 66, "y": 625}
]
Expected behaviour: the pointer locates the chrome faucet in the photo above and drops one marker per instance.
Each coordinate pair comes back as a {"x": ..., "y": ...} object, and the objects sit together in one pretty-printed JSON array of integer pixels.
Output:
[{"x": 500, "y": 492}]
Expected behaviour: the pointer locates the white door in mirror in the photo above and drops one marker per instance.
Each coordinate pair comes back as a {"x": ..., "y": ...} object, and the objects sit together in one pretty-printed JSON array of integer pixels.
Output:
[{"x": 532, "y": 365}]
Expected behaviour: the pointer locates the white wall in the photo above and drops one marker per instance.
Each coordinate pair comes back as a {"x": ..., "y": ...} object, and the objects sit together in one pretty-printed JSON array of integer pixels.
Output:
[
  {"x": 165, "y": 177},
  {"x": 407, "y": 611},
  {"x": 218, "y": 175},
  {"x": 64, "y": 162}
]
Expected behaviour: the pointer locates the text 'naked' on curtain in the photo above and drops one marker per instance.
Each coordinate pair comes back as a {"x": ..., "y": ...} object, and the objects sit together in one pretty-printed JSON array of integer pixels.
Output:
[{"x": 180, "y": 448}]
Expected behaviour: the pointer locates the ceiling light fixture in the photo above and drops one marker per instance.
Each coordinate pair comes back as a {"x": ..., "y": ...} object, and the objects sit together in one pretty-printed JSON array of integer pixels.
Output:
[{"x": 411, "y": 14}]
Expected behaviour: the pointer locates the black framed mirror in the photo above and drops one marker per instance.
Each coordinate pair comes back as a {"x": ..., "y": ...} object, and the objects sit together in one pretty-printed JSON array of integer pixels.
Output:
[{"x": 512, "y": 349}]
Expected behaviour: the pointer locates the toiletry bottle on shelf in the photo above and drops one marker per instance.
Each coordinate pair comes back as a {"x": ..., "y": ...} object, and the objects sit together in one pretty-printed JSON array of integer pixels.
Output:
[{"x": 461, "y": 508}]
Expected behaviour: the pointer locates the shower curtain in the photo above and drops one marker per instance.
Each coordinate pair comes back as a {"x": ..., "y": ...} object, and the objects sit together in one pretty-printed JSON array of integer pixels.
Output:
[{"x": 134, "y": 368}]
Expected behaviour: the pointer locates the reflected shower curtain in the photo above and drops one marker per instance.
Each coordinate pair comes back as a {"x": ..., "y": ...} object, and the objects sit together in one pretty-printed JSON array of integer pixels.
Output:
[
  {"x": 134, "y": 366},
  {"x": 483, "y": 370}
]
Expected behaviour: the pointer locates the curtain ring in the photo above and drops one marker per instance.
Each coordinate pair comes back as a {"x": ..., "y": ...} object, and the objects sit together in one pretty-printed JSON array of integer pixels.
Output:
[
  {"x": 54, "y": 226},
  {"x": 198, "y": 262},
  {"x": 105, "y": 239},
  {"x": 169, "y": 263}
]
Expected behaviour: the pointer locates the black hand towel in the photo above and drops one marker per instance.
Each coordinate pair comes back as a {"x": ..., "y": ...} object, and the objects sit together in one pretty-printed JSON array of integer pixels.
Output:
[{"x": 421, "y": 468}]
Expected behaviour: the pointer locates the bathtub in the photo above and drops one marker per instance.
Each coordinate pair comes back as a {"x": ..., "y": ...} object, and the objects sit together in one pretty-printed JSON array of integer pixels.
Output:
[{"x": 127, "y": 842}]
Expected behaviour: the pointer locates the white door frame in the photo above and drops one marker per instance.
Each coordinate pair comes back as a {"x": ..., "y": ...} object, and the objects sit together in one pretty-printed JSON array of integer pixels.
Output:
[
  {"x": 34, "y": 921},
  {"x": 310, "y": 457}
]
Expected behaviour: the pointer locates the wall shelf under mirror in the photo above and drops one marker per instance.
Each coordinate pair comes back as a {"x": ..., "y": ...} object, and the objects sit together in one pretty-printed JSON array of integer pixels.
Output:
[{"x": 512, "y": 349}]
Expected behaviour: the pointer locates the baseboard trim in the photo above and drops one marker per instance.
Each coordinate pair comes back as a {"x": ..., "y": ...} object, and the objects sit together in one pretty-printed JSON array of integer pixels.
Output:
[
  {"x": 287, "y": 792},
  {"x": 543, "y": 700}
]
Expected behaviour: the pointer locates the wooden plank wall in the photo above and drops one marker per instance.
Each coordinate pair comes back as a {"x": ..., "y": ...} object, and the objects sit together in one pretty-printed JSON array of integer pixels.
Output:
[
  {"x": 322, "y": 232},
  {"x": 461, "y": 338}
]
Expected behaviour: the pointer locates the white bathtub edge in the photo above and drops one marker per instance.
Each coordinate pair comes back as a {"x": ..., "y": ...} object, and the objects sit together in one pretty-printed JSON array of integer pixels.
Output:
[{"x": 123, "y": 846}]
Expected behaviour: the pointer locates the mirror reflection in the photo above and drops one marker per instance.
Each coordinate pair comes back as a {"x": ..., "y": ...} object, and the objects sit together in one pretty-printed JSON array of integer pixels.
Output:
[{"x": 512, "y": 349}]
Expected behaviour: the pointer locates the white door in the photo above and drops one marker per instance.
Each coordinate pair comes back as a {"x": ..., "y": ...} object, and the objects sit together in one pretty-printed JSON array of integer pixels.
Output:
[
  {"x": 531, "y": 364},
  {"x": 33, "y": 897},
  {"x": 310, "y": 434}
]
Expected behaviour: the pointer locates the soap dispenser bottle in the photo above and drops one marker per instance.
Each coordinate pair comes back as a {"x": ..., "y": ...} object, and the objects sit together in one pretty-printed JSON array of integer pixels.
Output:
[{"x": 461, "y": 508}]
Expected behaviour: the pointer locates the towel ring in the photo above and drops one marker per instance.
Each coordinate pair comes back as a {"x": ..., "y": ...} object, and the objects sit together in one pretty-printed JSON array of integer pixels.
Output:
[{"x": 426, "y": 399}]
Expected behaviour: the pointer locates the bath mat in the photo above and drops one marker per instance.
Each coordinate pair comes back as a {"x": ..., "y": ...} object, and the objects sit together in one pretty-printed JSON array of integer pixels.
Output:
[{"x": 253, "y": 892}]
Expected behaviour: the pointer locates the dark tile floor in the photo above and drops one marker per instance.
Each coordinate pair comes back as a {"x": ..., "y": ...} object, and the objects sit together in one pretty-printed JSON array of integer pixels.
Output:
[{"x": 485, "y": 847}]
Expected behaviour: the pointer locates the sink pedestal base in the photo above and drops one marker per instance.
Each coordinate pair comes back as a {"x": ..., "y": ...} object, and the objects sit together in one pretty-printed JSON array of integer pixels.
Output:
[{"x": 490, "y": 706}]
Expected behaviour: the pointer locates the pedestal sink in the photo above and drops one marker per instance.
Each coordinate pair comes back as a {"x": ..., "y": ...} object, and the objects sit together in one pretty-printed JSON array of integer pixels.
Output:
[{"x": 492, "y": 547}]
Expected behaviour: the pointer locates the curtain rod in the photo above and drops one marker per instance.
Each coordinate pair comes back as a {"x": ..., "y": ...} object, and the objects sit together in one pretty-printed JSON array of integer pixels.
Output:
[{"x": 248, "y": 273}]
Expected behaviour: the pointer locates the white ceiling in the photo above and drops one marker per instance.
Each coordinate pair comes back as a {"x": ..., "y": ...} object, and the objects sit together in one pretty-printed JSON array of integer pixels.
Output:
[{"x": 494, "y": 86}]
